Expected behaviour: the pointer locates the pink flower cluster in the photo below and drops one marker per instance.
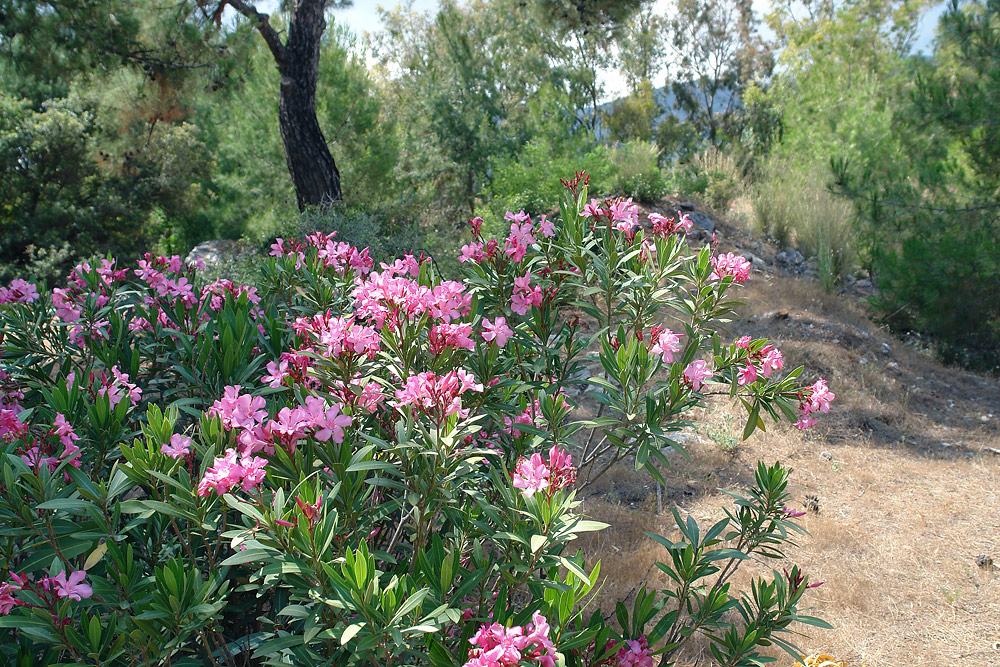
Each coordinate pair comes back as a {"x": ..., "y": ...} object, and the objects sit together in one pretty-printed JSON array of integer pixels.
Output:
[
  {"x": 43, "y": 453},
  {"x": 620, "y": 213},
  {"x": 337, "y": 255},
  {"x": 118, "y": 387},
  {"x": 69, "y": 302},
  {"x": 49, "y": 589},
  {"x": 664, "y": 226},
  {"x": 664, "y": 342},
  {"x": 499, "y": 646},
  {"x": 496, "y": 331},
  {"x": 178, "y": 447},
  {"x": 11, "y": 427},
  {"x": 533, "y": 475},
  {"x": 450, "y": 336},
  {"x": 696, "y": 373},
  {"x": 19, "y": 291},
  {"x": 525, "y": 296},
  {"x": 337, "y": 336},
  {"x": 730, "y": 265},
  {"x": 437, "y": 396},
  {"x": 231, "y": 470},
  {"x": 248, "y": 415},
  {"x": 761, "y": 362},
  {"x": 520, "y": 237},
  {"x": 389, "y": 297},
  {"x": 816, "y": 398},
  {"x": 635, "y": 653},
  {"x": 290, "y": 368},
  {"x": 151, "y": 271},
  {"x": 216, "y": 293}
]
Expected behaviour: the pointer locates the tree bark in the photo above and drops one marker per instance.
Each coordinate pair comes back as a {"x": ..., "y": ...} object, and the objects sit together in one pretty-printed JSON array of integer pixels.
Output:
[{"x": 314, "y": 173}]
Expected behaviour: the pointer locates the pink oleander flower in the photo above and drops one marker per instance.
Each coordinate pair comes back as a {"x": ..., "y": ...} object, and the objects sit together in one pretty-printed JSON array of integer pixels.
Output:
[
  {"x": 19, "y": 291},
  {"x": 224, "y": 473},
  {"x": 665, "y": 343},
  {"x": 791, "y": 513},
  {"x": 289, "y": 426},
  {"x": 520, "y": 238},
  {"x": 239, "y": 411},
  {"x": 546, "y": 227},
  {"x": 770, "y": 360},
  {"x": 748, "y": 375},
  {"x": 276, "y": 373},
  {"x": 497, "y": 646},
  {"x": 624, "y": 215},
  {"x": 7, "y": 599},
  {"x": 178, "y": 447},
  {"x": 635, "y": 653},
  {"x": 730, "y": 265},
  {"x": 437, "y": 396},
  {"x": 696, "y": 373},
  {"x": 252, "y": 471},
  {"x": 64, "y": 430},
  {"x": 743, "y": 343},
  {"x": 816, "y": 398},
  {"x": 455, "y": 336},
  {"x": 497, "y": 331},
  {"x": 805, "y": 422},
  {"x": 328, "y": 422},
  {"x": 531, "y": 475},
  {"x": 821, "y": 397},
  {"x": 561, "y": 469},
  {"x": 525, "y": 296},
  {"x": 11, "y": 427},
  {"x": 472, "y": 252},
  {"x": 71, "y": 587}
]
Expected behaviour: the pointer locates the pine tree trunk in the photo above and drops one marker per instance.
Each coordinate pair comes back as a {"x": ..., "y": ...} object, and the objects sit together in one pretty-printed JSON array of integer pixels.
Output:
[{"x": 314, "y": 173}]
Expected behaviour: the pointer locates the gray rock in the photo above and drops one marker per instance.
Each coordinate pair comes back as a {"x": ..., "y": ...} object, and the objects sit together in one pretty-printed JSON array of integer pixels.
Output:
[
  {"x": 790, "y": 256},
  {"x": 755, "y": 261},
  {"x": 863, "y": 283},
  {"x": 685, "y": 205},
  {"x": 215, "y": 252},
  {"x": 810, "y": 266},
  {"x": 702, "y": 221},
  {"x": 886, "y": 349}
]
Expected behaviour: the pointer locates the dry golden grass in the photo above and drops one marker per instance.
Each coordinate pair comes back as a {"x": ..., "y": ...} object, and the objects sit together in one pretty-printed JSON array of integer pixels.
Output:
[{"x": 902, "y": 516}]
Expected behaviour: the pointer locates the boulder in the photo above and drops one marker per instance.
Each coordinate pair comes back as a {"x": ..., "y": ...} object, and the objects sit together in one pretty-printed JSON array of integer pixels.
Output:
[
  {"x": 790, "y": 257},
  {"x": 215, "y": 252}
]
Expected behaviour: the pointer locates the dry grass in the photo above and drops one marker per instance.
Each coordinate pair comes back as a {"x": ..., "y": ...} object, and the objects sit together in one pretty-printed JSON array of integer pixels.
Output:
[{"x": 902, "y": 516}]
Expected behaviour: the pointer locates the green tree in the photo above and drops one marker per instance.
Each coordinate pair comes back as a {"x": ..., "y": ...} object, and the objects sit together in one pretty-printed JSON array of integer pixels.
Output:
[
  {"x": 717, "y": 50},
  {"x": 61, "y": 198},
  {"x": 168, "y": 38},
  {"x": 641, "y": 53},
  {"x": 933, "y": 216},
  {"x": 633, "y": 116}
]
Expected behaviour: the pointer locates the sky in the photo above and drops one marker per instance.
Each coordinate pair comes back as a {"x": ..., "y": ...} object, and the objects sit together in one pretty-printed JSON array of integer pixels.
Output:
[{"x": 363, "y": 17}]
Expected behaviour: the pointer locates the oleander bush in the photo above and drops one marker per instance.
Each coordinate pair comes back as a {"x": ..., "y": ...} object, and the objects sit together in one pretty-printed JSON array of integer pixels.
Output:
[{"x": 346, "y": 464}]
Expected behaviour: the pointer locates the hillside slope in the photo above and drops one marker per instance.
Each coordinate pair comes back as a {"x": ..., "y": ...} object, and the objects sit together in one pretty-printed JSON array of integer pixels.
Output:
[{"x": 905, "y": 469}]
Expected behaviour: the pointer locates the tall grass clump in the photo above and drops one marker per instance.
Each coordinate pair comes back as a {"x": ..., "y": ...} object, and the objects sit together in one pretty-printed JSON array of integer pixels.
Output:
[{"x": 794, "y": 207}]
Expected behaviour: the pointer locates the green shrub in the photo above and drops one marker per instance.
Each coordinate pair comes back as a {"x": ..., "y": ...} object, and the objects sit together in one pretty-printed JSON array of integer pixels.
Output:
[
  {"x": 638, "y": 172},
  {"x": 525, "y": 183}
]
